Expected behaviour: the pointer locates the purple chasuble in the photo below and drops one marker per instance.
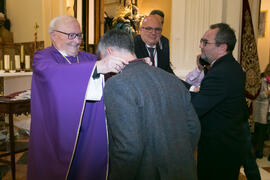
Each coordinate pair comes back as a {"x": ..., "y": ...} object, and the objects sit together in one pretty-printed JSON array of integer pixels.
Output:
[{"x": 60, "y": 144}]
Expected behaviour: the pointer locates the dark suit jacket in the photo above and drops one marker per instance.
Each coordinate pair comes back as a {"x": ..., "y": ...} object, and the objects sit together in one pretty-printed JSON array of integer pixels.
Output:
[
  {"x": 222, "y": 109},
  {"x": 163, "y": 52},
  {"x": 153, "y": 128}
]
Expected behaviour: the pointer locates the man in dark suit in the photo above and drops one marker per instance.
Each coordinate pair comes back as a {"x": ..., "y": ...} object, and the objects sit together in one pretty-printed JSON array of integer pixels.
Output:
[
  {"x": 163, "y": 42},
  {"x": 150, "y": 37},
  {"x": 221, "y": 107},
  {"x": 152, "y": 126}
]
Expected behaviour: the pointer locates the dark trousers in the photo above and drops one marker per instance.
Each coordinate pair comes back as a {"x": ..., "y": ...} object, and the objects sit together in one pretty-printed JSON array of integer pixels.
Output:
[
  {"x": 260, "y": 131},
  {"x": 215, "y": 162},
  {"x": 250, "y": 166}
]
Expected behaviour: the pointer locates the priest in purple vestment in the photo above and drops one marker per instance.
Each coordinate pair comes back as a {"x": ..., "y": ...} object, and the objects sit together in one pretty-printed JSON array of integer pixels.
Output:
[{"x": 68, "y": 137}]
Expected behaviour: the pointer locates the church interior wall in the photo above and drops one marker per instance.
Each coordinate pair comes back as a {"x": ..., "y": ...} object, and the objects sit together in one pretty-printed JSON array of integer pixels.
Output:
[
  {"x": 264, "y": 42},
  {"x": 190, "y": 20},
  {"x": 23, "y": 16},
  {"x": 146, "y": 6}
]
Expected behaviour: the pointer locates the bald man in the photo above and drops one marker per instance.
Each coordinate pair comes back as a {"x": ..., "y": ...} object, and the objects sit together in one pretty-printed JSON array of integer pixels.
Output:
[{"x": 147, "y": 43}]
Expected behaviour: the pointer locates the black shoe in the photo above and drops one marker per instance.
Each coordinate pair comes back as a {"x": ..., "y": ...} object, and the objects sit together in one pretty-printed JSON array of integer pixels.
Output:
[
  {"x": 268, "y": 158},
  {"x": 259, "y": 155}
]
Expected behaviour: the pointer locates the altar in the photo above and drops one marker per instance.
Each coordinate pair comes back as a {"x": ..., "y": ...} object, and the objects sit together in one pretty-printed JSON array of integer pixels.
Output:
[{"x": 14, "y": 82}]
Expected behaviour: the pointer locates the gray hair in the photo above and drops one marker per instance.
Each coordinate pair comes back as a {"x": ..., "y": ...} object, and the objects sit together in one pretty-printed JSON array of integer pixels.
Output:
[
  {"x": 61, "y": 20},
  {"x": 116, "y": 39}
]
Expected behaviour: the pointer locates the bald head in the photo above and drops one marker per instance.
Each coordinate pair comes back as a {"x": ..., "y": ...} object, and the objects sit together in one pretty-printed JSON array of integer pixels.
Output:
[
  {"x": 150, "y": 30},
  {"x": 62, "y": 21},
  {"x": 151, "y": 19}
]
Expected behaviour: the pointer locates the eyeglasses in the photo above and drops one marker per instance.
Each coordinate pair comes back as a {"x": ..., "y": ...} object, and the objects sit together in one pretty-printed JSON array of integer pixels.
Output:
[
  {"x": 71, "y": 36},
  {"x": 205, "y": 42},
  {"x": 150, "y": 29}
]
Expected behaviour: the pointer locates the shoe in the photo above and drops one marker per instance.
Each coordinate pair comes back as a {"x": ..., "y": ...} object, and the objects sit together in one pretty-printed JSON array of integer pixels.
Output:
[
  {"x": 259, "y": 155},
  {"x": 268, "y": 158}
]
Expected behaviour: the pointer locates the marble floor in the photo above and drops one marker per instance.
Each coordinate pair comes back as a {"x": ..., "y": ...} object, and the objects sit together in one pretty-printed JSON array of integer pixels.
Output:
[
  {"x": 21, "y": 132},
  {"x": 21, "y": 167},
  {"x": 21, "y": 163},
  {"x": 21, "y": 158},
  {"x": 264, "y": 168}
]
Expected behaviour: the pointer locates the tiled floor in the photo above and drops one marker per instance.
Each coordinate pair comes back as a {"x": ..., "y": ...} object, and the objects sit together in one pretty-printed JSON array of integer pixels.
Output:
[
  {"x": 21, "y": 137},
  {"x": 264, "y": 168},
  {"x": 21, "y": 167},
  {"x": 21, "y": 163}
]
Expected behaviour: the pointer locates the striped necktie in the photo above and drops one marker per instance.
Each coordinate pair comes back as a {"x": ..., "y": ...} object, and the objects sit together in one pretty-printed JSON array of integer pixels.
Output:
[{"x": 151, "y": 51}]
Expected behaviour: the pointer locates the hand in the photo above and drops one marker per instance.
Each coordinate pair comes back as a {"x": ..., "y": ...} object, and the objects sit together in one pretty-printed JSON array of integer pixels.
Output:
[
  {"x": 200, "y": 67},
  {"x": 147, "y": 60},
  {"x": 110, "y": 64},
  {"x": 197, "y": 89}
]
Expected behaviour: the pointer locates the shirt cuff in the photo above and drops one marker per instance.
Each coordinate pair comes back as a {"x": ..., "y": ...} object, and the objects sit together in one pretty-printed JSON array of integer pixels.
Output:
[{"x": 192, "y": 88}]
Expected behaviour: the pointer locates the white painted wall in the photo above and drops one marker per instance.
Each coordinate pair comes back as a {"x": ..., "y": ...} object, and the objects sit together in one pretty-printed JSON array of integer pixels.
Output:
[
  {"x": 146, "y": 6},
  {"x": 23, "y": 16},
  {"x": 191, "y": 19},
  {"x": 264, "y": 42},
  {"x": 255, "y": 7}
]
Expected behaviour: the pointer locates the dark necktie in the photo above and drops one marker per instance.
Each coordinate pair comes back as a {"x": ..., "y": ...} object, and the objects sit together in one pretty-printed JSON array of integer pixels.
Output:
[
  {"x": 152, "y": 57},
  {"x": 206, "y": 68}
]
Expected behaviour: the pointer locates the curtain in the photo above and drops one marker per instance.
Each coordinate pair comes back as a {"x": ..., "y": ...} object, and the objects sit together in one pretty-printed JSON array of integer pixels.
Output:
[{"x": 249, "y": 54}]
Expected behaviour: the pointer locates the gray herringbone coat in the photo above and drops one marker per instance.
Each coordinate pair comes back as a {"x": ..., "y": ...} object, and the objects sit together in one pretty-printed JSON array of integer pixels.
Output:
[{"x": 153, "y": 128}]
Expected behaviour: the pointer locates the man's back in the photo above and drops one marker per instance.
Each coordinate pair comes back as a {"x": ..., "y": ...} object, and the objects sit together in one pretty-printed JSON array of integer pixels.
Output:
[{"x": 153, "y": 128}]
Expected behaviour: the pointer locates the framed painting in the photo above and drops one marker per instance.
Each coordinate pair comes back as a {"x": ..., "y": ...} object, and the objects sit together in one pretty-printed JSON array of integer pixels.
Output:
[
  {"x": 262, "y": 24},
  {"x": 84, "y": 11},
  {"x": 111, "y": 1},
  {"x": 125, "y": 2},
  {"x": 3, "y": 6}
]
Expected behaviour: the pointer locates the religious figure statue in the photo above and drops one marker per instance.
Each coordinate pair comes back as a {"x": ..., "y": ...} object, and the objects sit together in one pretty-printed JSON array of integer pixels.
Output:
[
  {"x": 5, "y": 35},
  {"x": 127, "y": 18}
]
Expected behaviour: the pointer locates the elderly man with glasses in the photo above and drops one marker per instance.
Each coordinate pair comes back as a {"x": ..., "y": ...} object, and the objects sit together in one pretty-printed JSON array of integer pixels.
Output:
[
  {"x": 68, "y": 138},
  {"x": 147, "y": 43}
]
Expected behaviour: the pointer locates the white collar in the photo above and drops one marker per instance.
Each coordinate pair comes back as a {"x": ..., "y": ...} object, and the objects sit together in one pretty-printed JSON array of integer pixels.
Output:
[
  {"x": 212, "y": 63},
  {"x": 148, "y": 46},
  {"x": 63, "y": 53}
]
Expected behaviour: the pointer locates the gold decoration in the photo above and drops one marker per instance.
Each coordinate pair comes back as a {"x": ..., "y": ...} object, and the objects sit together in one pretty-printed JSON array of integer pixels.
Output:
[
  {"x": 249, "y": 58},
  {"x": 36, "y": 26}
]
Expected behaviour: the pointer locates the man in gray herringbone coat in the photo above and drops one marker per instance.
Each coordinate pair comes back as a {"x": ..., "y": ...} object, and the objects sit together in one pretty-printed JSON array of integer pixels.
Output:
[{"x": 153, "y": 128}]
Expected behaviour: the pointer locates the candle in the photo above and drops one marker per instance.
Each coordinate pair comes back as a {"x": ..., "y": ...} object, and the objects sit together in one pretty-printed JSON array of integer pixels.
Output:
[
  {"x": 22, "y": 53},
  {"x": 11, "y": 66},
  {"x": 17, "y": 62},
  {"x": 27, "y": 62},
  {"x": 1, "y": 65},
  {"x": 6, "y": 62}
]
